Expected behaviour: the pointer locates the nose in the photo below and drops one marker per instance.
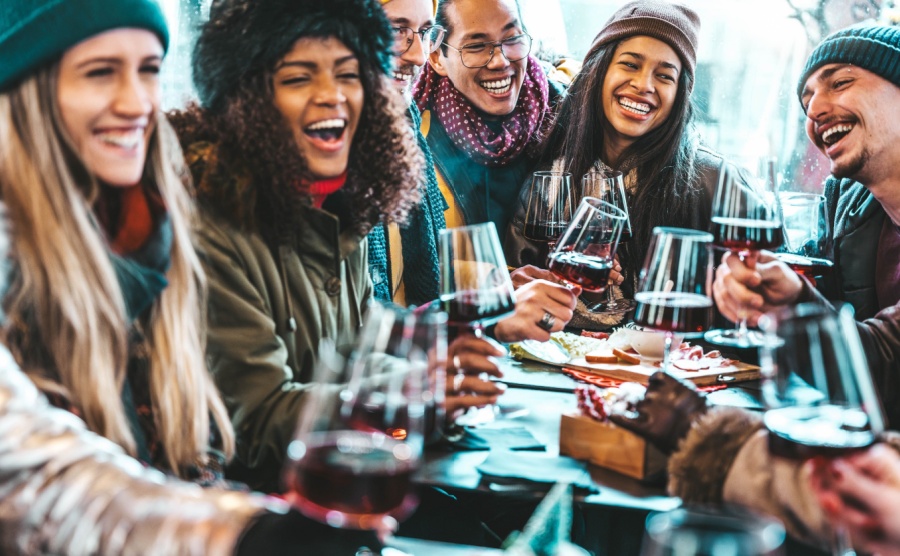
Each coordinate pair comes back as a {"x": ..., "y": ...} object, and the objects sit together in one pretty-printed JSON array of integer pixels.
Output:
[
  {"x": 498, "y": 59},
  {"x": 643, "y": 81},
  {"x": 817, "y": 106},
  {"x": 416, "y": 54},
  {"x": 135, "y": 97},
  {"x": 328, "y": 91}
]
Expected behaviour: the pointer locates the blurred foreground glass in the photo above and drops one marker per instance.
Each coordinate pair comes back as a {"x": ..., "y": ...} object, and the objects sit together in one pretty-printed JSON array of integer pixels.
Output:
[
  {"x": 585, "y": 254},
  {"x": 807, "y": 247},
  {"x": 817, "y": 389},
  {"x": 673, "y": 293},
  {"x": 745, "y": 220},
  {"x": 476, "y": 289},
  {"x": 610, "y": 187},
  {"x": 712, "y": 532},
  {"x": 360, "y": 435},
  {"x": 549, "y": 209}
]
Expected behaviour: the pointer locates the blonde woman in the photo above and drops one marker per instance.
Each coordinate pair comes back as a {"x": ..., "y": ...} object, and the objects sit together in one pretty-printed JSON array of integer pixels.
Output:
[{"x": 105, "y": 305}]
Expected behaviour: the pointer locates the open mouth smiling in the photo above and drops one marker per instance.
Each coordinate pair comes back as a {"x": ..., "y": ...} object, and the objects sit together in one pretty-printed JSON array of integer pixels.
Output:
[
  {"x": 328, "y": 131},
  {"x": 497, "y": 86},
  {"x": 122, "y": 138},
  {"x": 835, "y": 133},
  {"x": 637, "y": 108}
]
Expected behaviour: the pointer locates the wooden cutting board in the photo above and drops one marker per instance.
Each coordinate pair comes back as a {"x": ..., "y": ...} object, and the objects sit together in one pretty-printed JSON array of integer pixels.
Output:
[{"x": 737, "y": 372}]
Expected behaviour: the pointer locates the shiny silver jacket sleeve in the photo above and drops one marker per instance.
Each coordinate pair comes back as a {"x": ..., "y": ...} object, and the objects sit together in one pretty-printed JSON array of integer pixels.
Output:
[{"x": 65, "y": 490}]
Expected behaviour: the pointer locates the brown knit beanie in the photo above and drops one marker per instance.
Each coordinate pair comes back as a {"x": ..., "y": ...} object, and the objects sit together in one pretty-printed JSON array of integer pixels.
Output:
[{"x": 674, "y": 24}]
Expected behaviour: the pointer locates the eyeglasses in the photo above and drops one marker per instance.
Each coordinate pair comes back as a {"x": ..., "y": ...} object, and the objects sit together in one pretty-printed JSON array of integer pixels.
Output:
[
  {"x": 430, "y": 37},
  {"x": 480, "y": 54}
]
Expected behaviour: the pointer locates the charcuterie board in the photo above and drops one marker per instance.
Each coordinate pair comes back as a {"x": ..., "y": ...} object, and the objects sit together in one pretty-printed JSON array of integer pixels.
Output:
[{"x": 734, "y": 372}]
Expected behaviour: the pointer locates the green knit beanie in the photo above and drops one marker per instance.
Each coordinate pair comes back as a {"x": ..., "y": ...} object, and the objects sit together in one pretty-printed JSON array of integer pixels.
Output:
[
  {"x": 875, "y": 48},
  {"x": 37, "y": 32}
]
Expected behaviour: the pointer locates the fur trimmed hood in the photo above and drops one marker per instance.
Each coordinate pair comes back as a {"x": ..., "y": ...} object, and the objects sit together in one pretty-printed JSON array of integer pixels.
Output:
[{"x": 244, "y": 39}]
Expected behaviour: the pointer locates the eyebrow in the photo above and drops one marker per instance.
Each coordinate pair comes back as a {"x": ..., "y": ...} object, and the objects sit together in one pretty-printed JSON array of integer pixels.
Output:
[
  {"x": 116, "y": 61},
  {"x": 404, "y": 22},
  {"x": 484, "y": 37},
  {"x": 641, "y": 57},
  {"x": 824, "y": 76},
  {"x": 313, "y": 65}
]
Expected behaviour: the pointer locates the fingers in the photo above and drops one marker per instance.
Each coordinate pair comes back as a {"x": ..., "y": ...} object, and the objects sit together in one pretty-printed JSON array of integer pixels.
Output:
[
  {"x": 529, "y": 273},
  {"x": 534, "y": 302},
  {"x": 458, "y": 404},
  {"x": 473, "y": 355}
]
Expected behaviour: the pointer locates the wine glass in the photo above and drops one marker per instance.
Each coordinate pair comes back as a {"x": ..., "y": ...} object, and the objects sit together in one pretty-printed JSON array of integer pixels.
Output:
[
  {"x": 585, "y": 254},
  {"x": 807, "y": 247},
  {"x": 610, "y": 187},
  {"x": 719, "y": 531},
  {"x": 674, "y": 286},
  {"x": 549, "y": 209},
  {"x": 817, "y": 387},
  {"x": 745, "y": 220},
  {"x": 476, "y": 289},
  {"x": 360, "y": 436}
]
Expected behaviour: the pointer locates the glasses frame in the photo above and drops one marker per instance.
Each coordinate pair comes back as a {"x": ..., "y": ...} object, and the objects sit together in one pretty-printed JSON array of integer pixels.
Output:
[
  {"x": 494, "y": 45},
  {"x": 421, "y": 32}
]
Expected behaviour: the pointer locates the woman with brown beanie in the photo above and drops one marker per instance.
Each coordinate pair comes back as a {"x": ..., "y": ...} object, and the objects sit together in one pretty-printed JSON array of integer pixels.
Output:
[
  {"x": 630, "y": 110},
  {"x": 298, "y": 147}
]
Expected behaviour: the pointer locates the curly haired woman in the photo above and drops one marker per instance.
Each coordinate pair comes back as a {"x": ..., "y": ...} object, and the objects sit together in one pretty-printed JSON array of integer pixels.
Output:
[
  {"x": 104, "y": 310},
  {"x": 299, "y": 146}
]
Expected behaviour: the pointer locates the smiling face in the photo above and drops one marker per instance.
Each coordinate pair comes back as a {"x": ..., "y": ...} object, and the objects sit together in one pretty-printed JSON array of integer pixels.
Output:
[
  {"x": 319, "y": 91},
  {"x": 639, "y": 90},
  {"x": 416, "y": 15},
  {"x": 108, "y": 94},
  {"x": 493, "y": 89},
  {"x": 846, "y": 120}
]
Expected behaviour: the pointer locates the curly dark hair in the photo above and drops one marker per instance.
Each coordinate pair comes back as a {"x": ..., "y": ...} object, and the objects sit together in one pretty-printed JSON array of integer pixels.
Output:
[
  {"x": 668, "y": 186},
  {"x": 253, "y": 138}
]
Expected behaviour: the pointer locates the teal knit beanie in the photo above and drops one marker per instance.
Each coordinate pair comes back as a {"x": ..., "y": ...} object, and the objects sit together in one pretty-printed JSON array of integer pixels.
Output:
[
  {"x": 875, "y": 48},
  {"x": 37, "y": 32}
]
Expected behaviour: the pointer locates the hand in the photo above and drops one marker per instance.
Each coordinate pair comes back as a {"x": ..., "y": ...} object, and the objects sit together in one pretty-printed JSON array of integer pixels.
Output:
[
  {"x": 534, "y": 301},
  {"x": 862, "y": 493},
  {"x": 529, "y": 273},
  {"x": 666, "y": 413},
  {"x": 754, "y": 286},
  {"x": 472, "y": 359}
]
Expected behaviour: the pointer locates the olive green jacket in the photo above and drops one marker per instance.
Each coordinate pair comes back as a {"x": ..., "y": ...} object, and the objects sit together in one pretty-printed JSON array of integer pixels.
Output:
[{"x": 269, "y": 307}]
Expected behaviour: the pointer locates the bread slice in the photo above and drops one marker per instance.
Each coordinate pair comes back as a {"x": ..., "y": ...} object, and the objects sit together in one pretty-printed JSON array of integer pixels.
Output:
[
  {"x": 602, "y": 355},
  {"x": 626, "y": 357}
]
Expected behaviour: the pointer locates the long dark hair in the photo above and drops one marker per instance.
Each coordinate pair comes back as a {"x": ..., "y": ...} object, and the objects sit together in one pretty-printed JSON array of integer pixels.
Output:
[{"x": 667, "y": 188}]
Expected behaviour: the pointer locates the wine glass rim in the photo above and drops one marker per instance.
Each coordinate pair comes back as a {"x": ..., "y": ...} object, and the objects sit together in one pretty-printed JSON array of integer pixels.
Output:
[
  {"x": 605, "y": 208},
  {"x": 696, "y": 235},
  {"x": 799, "y": 197},
  {"x": 603, "y": 175},
  {"x": 470, "y": 227},
  {"x": 552, "y": 173}
]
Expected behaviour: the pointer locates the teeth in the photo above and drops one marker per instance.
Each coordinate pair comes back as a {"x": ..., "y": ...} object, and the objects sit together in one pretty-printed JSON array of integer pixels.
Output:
[
  {"x": 498, "y": 86},
  {"x": 402, "y": 76},
  {"x": 123, "y": 139},
  {"x": 840, "y": 128},
  {"x": 636, "y": 107},
  {"x": 335, "y": 123}
]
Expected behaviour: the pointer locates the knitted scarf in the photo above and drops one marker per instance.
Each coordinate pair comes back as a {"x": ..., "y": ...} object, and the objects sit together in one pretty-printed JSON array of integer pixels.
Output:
[
  {"x": 419, "y": 238},
  {"x": 468, "y": 130}
]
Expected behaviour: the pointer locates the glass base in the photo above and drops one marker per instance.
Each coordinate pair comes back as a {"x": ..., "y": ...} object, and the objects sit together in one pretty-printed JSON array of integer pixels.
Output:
[
  {"x": 615, "y": 306},
  {"x": 733, "y": 338}
]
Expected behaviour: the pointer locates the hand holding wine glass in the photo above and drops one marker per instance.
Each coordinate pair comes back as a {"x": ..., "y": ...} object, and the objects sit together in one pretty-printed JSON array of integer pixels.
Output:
[
  {"x": 807, "y": 247},
  {"x": 745, "y": 220},
  {"x": 817, "y": 388},
  {"x": 674, "y": 284}
]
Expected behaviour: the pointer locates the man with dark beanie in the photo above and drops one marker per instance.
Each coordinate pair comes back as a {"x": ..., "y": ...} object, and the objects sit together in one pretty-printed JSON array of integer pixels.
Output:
[{"x": 849, "y": 90}]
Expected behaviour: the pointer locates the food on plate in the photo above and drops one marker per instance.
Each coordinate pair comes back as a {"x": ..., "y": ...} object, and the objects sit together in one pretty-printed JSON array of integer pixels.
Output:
[
  {"x": 602, "y": 355},
  {"x": 625, "y": 357},
  {"x": 600, "y": 403}
]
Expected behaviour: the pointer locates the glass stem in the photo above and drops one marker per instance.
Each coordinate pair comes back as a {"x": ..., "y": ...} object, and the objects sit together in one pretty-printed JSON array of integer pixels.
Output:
[
  {"x": 742, "y": 330},
  {"x": 841, "y": 544},
  {"x": 667, "y": 347}
]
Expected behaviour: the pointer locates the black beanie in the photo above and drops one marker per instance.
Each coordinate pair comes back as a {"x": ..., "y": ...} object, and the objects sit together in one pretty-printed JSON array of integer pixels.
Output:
[
  {"x": 246, "y": 38},
  {"x": 875, "y": 48}
]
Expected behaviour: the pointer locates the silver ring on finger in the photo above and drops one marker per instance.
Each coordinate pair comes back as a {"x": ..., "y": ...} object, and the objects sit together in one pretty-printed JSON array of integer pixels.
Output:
[
  {"x": 458, "y": 379},
  {"x": 547, "y": 321}
]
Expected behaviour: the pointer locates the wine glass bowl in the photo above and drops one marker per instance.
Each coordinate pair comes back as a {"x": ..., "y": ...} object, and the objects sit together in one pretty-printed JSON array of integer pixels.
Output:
[
  {"x": 549, "y": 207},
  {"x": 361, "y": 433},
  {"x": 673, "y": 293},
  {"x": 807, "y": 248},
  {"x": 719, "y": 531},
  {"x": 585, "y": 253}
]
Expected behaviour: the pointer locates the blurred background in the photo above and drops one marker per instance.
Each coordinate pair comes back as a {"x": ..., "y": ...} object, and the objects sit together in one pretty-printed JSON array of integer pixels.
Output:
[{"x": 750, "y": 56}]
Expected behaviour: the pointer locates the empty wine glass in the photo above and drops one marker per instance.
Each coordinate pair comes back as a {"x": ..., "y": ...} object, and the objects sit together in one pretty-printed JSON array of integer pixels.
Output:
[
  {"x": 807, "y": 246},
  {"x": 610, "y": 187},
  {"x": 674, "y": 285},
  {"x": 476, "y": 289},
  {"x": 360, "y": 436},
  {"x": 549, "y": 209},
  {"x": 817, "y": 387},
  {"x": 745, "y": 220},
  {"x": 585, "y": 254},
  {"x": 716, "y": 531}
]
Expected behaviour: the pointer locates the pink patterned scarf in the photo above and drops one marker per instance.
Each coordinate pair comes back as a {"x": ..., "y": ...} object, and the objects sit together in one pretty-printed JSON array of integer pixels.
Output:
[{"x": 467, "y": 129}]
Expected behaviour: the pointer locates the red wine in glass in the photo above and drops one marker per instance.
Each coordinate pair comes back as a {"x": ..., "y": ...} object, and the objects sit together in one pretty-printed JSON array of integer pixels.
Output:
[
  {"x": 673, "y": 311},
  {"x": 811, "y": 267},
  {"x": 626, "y": 235},
  {"x": 547, "y": 232},
  {"x": 802, "y": 432},
  {"x": 481, "y": 307},
  {"x": 588, "y": 271},
  {"x": 373, "y": 417},
  {"x": 744, "y": 234},
  {"x": 351, "y": 479}
]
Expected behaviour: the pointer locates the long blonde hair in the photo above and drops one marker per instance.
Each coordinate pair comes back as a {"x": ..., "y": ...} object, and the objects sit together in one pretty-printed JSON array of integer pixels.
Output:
[{"x": 65, "y": 287}]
